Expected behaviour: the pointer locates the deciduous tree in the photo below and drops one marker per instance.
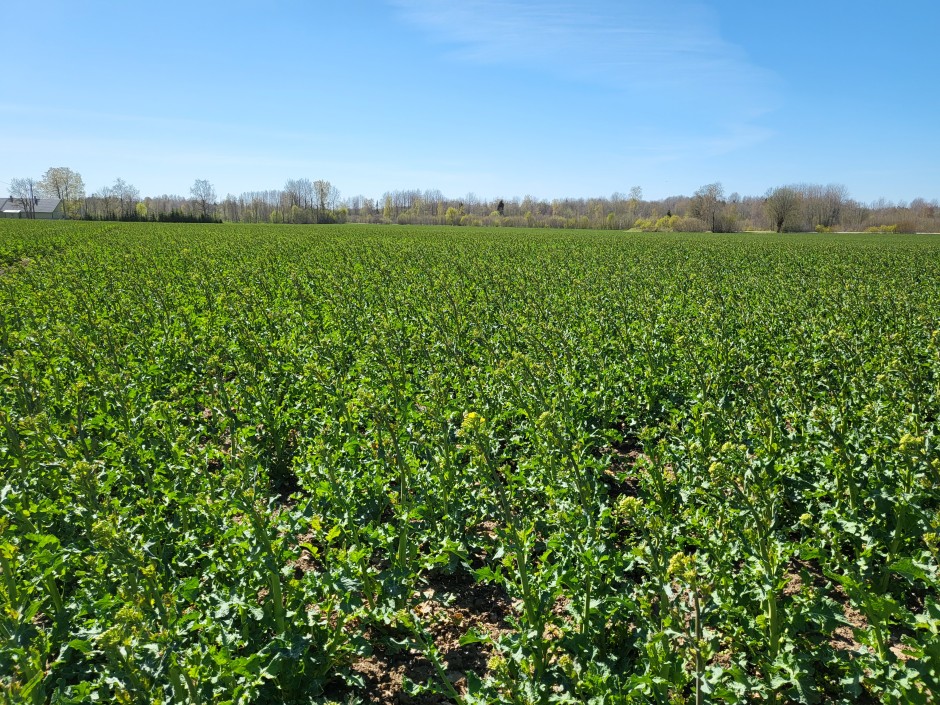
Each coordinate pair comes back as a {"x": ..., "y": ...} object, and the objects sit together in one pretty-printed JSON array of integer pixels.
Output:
[
  {"x": 707, "y": 203},
  {"x": 24, "y": 192},
  {"x": 127, "y": 196},
  {"x": 782, "y": 205},
  {"x": 65, "y": 184},
  {"x": 823, "y": 204},
  {"x": 204, "y": 197},
  {"x": 326, "y": 195}
]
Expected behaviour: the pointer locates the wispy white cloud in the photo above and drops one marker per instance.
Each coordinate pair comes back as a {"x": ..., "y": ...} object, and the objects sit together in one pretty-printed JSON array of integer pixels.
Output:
[
  {"x": 662, "y": 57},
  {"x": 112, "y": 123}
]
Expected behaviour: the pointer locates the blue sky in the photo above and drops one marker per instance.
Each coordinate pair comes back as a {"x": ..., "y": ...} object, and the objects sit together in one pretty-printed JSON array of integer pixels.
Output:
[{"x": 501, "y": 99}]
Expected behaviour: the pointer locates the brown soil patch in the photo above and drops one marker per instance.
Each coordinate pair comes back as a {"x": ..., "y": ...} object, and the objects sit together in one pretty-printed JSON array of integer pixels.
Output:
[
  {"x": 305, "y": 562},
  {"x": 620, "y": 484},
  {"x": 384, "y": 673},
  {"x": 843, "y": 637},
  {"x": 448, "y": 607},
  {"x": 794, "y": 585},
  {"x": 723, "y": 659},
  {"x": 488, "y": 529}
]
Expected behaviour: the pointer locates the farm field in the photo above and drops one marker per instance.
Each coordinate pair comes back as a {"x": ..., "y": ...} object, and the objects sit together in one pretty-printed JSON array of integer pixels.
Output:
[{"x": 249, "y": 464}]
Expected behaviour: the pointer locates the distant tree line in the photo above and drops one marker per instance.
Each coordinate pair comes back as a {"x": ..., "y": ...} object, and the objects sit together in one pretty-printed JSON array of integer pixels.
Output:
[
  {"x": 792, "y": 208},
  {"x": 789, "y": 208}
]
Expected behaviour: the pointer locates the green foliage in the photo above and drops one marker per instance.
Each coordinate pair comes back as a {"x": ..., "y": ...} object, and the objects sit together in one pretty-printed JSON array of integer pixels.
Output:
[
  {"x": 670, "y": 223},
  {"x": 667, "y": 222},
  {"x": 560, "y": 466}
]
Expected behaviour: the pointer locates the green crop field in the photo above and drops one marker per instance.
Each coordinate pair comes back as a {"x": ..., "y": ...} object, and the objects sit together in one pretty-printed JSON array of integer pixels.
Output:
[{"x": 252, "y": 464}]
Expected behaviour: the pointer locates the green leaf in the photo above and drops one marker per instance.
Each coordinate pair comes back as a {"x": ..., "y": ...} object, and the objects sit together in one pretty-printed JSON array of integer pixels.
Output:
[
  {"x": 910, "y": 570},
  {"x": 475, "y": 637},
  {"x": 82, "y": 645}
]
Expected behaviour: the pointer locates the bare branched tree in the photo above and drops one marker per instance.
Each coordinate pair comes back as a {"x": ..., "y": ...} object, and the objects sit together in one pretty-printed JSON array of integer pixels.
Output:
[
  {"x": 204, "y": 197},
  {"x": 25, "y": 192}
]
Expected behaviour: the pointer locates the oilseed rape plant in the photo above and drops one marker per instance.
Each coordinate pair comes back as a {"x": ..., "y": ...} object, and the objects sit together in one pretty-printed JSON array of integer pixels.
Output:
[{"x": 337, "y": 464}]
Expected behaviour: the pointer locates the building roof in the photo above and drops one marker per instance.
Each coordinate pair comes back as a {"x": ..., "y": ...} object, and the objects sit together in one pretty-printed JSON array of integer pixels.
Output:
[{"x": 43, "y": 205}]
